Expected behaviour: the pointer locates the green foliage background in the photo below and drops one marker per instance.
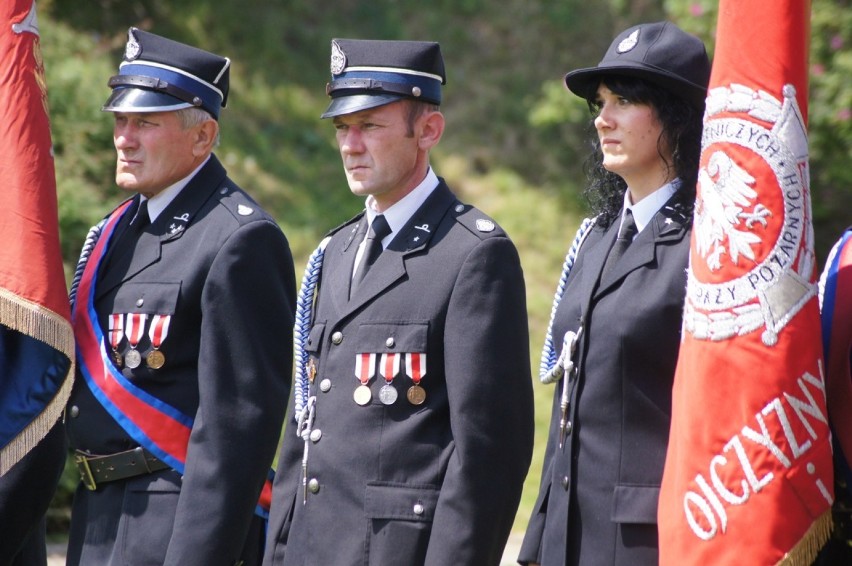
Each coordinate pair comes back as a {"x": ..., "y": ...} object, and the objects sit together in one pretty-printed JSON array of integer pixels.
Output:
[{"x": 515, "y": 138}]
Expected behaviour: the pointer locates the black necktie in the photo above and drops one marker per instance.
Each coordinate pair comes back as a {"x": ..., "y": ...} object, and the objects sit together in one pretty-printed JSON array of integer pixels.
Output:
[
  {"x": 121, "y": 246},
  {"x": 622, "y": 242},
  {"x": 372, "y": 247}
]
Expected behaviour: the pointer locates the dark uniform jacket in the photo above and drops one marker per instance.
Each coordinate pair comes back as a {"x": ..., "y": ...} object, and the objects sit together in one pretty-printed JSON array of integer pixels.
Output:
[
  {"x": 433, "y": 484},
  {"x": 222, "y": 268},
  {"x": 597, "y": 503}
]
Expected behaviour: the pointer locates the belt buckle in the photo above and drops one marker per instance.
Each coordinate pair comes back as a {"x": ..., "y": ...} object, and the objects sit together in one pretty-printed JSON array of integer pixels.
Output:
[{"x": 85, "y": 471}]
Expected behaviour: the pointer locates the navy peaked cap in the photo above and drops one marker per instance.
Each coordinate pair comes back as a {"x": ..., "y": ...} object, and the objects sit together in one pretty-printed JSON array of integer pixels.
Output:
[
  {"x": 370, "y": 73},
  {"x": 159, "y": 75},
  {"x": 660, "y": 53}
]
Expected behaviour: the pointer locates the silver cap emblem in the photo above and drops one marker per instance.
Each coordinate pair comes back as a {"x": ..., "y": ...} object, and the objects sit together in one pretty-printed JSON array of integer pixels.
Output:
[
  {"x": 338, "y": 59},
  {"x": 132, "y": 50},
  {"x": 628, "y": 42}
]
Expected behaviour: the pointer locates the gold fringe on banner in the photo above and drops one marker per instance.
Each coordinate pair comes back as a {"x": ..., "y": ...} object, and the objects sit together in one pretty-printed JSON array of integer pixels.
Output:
[
  {"x": 806, "y": 550},
  {"x": 46, "y": 326}
]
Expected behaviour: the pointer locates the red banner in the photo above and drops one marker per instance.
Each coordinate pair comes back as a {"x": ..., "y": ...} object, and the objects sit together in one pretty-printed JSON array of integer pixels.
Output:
[
  {"x": 748, "y": 477},
  {"x": 34, "y": 311}
]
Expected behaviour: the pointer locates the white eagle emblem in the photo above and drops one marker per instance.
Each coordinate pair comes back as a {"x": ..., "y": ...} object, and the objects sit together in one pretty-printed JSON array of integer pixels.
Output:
[{"x": 726, "y": 196}]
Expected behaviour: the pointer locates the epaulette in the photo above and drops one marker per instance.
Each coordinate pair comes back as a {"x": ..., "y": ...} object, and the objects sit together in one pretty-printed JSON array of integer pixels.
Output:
[
  {"x": 349, "y": 222},
  {"x": 477, "y": 221},
  {"x": 240, "y": 205}
]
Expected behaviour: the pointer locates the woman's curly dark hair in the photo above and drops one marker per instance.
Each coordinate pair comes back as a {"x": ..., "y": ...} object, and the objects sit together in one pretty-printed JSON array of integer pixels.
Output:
[{"x": 681, "y": 130}]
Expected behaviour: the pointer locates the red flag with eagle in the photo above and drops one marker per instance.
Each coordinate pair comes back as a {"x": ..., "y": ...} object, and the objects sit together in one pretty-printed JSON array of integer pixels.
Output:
[
  {"x": 36, "y": 340},
  {"x": 748, "y": 476}
]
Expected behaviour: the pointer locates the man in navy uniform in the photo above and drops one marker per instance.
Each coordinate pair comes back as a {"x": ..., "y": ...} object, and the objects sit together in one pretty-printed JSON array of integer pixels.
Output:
[
  {"x": 412, "y": 426},
  {"x": 183, "y": 308}
]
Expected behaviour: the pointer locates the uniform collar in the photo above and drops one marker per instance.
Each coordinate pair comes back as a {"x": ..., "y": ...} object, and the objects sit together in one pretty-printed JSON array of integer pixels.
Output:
[
  {"x": 401, "y": 212},
  {"x": 161, "y": 200},
  {"x": 645, "y": 209}
]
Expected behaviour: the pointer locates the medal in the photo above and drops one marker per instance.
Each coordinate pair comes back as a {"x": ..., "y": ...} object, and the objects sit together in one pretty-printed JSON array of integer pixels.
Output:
[
  {"x": 415, "y": 366},
  {"x": 157, "y": 333},
  {"x": 133, "y": 331},
  {"x": 133, "y": 359},
  {"x": 416, "y": 395},
  {"x": 388, "y": 394},
  {"x": 311, "y": 370},
  {"x": 362, "y": 395},
  {"x": 155, "y": 359},
  {"x": 116, "y": 333},
  {"x": 365, "y": 369},
  {"x": 389, "y": 368}
]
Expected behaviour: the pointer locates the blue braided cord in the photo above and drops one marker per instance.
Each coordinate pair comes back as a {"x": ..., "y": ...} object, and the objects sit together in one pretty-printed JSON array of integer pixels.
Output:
[
  {"x": 88, "y": 245},
  {"x": 548, "y": 353},
  {"x": 302, "y": 327}
]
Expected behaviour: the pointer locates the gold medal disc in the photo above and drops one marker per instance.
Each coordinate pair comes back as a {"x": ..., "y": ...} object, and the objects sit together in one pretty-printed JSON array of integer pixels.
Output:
[
  {"x": 362, "y": 395},
  {"x": 155, "y": 359},
  {"x": 133, "y": 359},
  {"x": 117, "y": 359},
  {"x": 416, "y": 395}
]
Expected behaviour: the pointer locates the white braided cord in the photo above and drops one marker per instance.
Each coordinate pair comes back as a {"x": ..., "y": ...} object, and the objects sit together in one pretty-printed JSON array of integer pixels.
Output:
[
  {"x": 88, "y": 246},
  {"x": 549, "y": 357},
  {"x": 302, "y": 328}
]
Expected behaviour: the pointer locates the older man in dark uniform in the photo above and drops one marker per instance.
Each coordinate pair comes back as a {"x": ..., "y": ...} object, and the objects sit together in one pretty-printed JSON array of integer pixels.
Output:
[
  {"x": 183, "y": 304},
  {"x": 412, "y": 427}
]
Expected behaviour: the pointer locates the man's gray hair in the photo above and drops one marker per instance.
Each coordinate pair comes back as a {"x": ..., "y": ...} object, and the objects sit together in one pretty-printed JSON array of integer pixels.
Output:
[{"x": 193, "y": 116}]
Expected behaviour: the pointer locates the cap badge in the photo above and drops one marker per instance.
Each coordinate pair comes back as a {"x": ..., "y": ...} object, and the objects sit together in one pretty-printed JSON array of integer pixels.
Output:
[
  {"x": 132, "y": 50},
  {"x": 485, "y": 225},
  {"x": 338, "y": 59},
  {"x": 628, "y": 42}
]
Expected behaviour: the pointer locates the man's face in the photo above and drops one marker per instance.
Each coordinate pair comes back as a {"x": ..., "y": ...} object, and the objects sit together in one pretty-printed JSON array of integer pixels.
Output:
[
  {"x": 380, "y": 156},
  {"x": 154, "y": 151}
]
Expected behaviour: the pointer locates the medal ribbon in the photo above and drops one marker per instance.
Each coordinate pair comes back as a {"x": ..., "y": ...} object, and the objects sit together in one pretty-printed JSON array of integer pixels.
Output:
[
  {"x": 365, "y": 367},
  {"x": 415, "y": 365},
  {"x": 135, "y": 327},
  {"x": 389, "y": 366},
  {"x": 116, "y": 330},
  {"x": 159, "y": 329},
  {"x": 158, "y": 427}
]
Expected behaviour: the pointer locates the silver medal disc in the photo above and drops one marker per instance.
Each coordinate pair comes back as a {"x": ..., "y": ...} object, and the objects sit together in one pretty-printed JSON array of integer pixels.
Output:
[
  {"x": 388, "y": 394},
  {"x": 133, "y": 359}
]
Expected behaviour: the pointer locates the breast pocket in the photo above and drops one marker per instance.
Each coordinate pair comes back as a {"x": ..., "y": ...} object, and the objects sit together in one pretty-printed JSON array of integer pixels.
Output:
[
  {"x": 400, "y": 518},
  {"x": 145, "y": 311},
  {"x": 148, "y": 298},
  {"x": 397, "y": 350}
]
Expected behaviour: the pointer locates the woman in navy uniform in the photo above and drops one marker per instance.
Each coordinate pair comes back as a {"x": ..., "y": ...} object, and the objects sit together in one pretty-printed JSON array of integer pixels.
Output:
[
  {"x": 617, "y": 323},
  {"x": 183, "y": 308},
  {"x": 414, "y": 397}
]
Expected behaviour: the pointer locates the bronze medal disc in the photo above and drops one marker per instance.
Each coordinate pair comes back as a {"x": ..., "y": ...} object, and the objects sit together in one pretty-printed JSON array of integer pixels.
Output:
[
  {"x": 362, "y": 395},
  {"x": 416, "y": 395},
  {"x": 155, "y": 359},
  {"x": 388, "y": 394},
  {"x": 117, "y": 359},
  {"x": 133, "y": 359}
]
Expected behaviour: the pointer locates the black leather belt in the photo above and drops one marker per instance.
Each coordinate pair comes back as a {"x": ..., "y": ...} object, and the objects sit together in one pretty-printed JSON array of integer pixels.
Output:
[{"x": 96, "y": 469}]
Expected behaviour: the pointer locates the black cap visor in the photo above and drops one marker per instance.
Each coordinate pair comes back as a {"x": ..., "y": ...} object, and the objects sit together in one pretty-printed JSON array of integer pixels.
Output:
[
  {"x": 141, "y": 100},
  {"x": 357, "y": 102}
]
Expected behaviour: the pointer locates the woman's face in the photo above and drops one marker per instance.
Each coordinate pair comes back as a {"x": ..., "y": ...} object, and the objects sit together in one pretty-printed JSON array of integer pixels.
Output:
[{"x": 629, "y": 134}]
